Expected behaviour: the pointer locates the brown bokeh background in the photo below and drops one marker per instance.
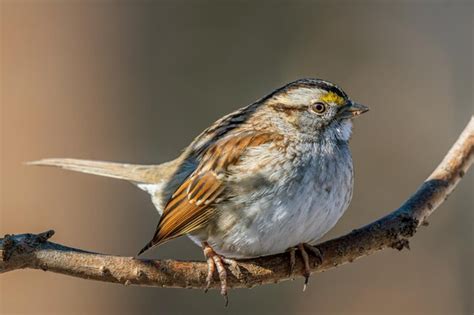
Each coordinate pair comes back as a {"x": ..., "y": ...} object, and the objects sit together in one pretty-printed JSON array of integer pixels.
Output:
[{"x": 136, "y": 81}]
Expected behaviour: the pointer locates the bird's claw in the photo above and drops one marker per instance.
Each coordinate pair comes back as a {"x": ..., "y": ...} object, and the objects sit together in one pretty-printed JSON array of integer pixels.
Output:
[
  {"x": 304, "y": 248},
  {"x": 215, "y": 261}
]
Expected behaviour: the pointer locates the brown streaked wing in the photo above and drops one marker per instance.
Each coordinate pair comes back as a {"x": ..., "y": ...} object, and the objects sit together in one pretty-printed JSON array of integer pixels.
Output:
[{"x": 191, "y": 206}]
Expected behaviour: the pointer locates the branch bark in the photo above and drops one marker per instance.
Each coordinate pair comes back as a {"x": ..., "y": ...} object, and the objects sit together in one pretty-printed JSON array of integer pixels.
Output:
[{"x": 391, "y": 231}]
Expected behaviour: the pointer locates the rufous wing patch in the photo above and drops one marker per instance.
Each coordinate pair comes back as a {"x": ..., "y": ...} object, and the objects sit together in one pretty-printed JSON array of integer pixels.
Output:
[{"x": 191, "y": 206}]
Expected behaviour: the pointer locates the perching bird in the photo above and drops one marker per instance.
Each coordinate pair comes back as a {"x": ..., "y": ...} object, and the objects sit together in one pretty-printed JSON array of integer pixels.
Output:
[{"x": 272, "y": 176}]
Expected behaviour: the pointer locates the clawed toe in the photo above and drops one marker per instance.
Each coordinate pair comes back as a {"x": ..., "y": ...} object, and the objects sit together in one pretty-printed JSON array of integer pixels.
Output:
[
  {"x": 233, "y": 266},
  {"x": 304, "y": 248},
  {"x": 306, "y": 267},
  {"x": 315, "y": 251},
  {"x": 214, "y": 261},
  {"x": 292, "y": 251}
]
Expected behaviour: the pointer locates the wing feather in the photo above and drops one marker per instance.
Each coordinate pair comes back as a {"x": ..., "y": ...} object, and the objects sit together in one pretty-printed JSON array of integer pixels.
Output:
[{"x": 191, "y": 206}]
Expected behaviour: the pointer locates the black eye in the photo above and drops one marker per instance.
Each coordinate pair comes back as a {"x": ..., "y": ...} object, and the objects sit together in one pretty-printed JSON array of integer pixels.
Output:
[{"x": 318, "y": 108}]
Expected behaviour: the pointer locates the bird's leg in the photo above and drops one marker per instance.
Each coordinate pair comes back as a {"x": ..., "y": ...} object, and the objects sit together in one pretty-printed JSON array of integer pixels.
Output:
[
  {"x": 307, "y": 268},
  {"x": 292, "y": 251},
  {"x": 214, "y": 261},
  {"x": 304, "y": 248}
]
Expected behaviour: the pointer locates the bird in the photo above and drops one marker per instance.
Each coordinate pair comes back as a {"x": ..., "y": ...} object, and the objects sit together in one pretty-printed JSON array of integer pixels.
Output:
[{"x": 271, "y": 177}]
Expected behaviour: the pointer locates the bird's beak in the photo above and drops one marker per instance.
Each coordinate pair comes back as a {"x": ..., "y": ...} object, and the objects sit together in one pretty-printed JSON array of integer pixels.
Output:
[{"x": 352, "y": 110}]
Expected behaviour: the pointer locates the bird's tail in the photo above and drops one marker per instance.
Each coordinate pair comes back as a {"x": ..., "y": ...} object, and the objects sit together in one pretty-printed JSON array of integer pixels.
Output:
[{"x": 131, "y": 172}]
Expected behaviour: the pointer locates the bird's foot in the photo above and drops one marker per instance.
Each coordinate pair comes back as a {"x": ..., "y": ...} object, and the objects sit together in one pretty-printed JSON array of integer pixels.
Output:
[
  {"x": 215, "y": 261},
  {"x": 304, "y": 248}
]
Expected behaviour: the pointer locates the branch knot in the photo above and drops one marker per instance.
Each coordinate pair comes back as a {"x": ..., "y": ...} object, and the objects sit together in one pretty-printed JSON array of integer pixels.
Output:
[{"x": 22, "y": 244}]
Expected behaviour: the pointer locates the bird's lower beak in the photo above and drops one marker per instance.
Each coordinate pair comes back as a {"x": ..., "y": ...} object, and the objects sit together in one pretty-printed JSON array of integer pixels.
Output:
[{"x": 352, "y": 110}]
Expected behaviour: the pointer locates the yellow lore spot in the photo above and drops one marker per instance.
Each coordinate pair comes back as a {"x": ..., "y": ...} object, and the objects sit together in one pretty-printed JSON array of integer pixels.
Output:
[{"x": 331, "y": 97}]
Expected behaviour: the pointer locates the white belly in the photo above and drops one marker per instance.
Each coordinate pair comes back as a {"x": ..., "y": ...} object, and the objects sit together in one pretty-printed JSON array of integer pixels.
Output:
[{"x": 299, "y": 210}]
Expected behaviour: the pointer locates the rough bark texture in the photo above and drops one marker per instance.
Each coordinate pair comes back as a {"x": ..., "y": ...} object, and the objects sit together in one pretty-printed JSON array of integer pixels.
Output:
[{"x": 36, "y": 252}]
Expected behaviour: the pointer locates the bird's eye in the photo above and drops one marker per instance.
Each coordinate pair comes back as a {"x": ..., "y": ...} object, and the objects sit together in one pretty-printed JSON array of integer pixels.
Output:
[{"x": 319, "y": 108}]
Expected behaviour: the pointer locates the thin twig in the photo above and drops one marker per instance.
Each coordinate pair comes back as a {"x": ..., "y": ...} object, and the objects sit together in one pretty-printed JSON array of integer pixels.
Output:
[{"x": 393, "y": 230}]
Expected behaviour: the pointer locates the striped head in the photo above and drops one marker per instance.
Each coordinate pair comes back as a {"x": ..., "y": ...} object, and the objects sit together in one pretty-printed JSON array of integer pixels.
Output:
[{"x": 311, "y": 106}]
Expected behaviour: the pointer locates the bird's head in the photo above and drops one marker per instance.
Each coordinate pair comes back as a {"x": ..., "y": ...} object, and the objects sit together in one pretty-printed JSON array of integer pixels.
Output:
[{"x": 313, "y": 106}]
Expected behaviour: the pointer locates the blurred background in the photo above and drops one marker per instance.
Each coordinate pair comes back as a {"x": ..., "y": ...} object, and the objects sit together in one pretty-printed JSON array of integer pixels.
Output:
[{"x": 135, "y": 81}]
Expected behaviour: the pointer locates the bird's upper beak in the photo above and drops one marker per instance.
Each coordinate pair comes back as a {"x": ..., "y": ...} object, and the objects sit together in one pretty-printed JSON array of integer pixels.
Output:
[{"x": 351, "y": 110}]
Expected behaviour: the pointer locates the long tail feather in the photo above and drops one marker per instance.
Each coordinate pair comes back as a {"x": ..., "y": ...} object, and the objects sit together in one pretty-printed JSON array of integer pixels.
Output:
[{"x": 131, "y": 172}]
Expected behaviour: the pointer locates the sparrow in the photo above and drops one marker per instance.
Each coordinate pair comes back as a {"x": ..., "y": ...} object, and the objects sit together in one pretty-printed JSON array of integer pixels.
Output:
[{"x": 270, "y": 177}]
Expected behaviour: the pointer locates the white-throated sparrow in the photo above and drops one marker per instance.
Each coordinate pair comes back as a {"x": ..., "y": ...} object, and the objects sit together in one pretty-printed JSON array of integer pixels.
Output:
[{"x": 271, "y": 176}]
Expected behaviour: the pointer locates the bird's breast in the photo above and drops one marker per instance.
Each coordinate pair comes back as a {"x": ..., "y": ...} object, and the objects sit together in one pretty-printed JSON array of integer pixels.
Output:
[{"x": 283, "y": 201}]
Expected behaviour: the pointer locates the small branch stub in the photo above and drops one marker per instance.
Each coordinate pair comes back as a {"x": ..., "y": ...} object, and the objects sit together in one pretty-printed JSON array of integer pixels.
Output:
[{"x": 23, "y": 244}]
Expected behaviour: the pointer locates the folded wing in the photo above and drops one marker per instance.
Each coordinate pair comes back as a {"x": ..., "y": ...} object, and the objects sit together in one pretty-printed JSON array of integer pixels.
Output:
[{"x": 193, "y": 203}]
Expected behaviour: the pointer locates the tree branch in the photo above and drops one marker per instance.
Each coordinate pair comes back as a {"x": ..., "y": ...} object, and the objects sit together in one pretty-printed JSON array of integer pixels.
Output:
[{"x": 393, "y": 230}]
